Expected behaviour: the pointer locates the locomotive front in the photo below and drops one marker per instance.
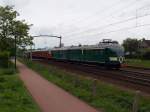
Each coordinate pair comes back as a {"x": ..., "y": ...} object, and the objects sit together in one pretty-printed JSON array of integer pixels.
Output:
[
  {"x": 117, "y": 56},
  {"x": 114, "y": 53}
]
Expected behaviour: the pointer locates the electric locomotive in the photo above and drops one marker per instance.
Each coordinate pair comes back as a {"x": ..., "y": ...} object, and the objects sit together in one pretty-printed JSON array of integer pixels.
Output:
[{"x": 107, "y": 53}]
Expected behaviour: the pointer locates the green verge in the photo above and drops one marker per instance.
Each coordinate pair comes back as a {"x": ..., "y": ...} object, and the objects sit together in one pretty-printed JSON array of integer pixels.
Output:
[
  {"x": 138, "y": 63},
  {"x": 13, "y": 95},
  {"x": 108, "y": 97}
]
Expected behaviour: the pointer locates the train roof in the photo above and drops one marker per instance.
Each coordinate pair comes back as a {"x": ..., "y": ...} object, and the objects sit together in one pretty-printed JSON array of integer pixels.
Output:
[
  {"x": 75, "y": 47},
  {"x": 98, "y": 46}
]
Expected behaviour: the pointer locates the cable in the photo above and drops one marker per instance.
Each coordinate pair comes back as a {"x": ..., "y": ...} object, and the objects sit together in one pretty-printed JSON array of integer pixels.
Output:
[
  {"x": 133, "y": 2},
  {"x": 127, "y": 28},
  {"x": 112, "y": 24},
  {"x": 88, "y": 29},
  {"x": 83, "y": 19}
]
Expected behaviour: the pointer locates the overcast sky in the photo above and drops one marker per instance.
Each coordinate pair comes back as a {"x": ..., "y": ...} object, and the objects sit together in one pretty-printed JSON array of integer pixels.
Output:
[{"x": 84, "y": 21}]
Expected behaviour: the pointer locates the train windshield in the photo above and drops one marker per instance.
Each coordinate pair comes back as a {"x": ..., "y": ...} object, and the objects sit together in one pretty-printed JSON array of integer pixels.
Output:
[{"x": 119, "y": 51}]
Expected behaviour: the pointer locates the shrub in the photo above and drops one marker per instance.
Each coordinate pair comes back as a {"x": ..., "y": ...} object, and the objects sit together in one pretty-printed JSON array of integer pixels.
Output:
[
  {"x": 4, "y": 59},
  {"x": 146, "y": 54}
]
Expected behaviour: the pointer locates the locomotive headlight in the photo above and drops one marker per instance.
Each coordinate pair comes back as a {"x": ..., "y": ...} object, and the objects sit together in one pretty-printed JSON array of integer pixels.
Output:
[
  {"x": 113, "y": 58},
  {"x": 121, "y": 59}
]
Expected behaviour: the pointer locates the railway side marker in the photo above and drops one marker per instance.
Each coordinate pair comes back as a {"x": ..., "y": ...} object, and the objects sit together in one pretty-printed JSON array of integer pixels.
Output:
[
  {"x": 76, "y": 82},
  {"x": 135, "y": 106},
  {"x": 94, "y": 84}
]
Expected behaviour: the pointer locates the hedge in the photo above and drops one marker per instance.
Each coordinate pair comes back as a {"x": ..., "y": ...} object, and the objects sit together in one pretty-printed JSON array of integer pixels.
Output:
[
  {"x": 4, "y": 59},
  {"x": 146, "y": 54}
]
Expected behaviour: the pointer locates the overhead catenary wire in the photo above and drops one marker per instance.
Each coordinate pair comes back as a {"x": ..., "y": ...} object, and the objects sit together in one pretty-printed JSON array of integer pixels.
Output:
[
  {"x": 112, "y": 24},
  {"x": 127, "y": 28},
  {"x": 101, "y": 11},
  {"x": 93, "y": 15},
  {"x": 121, "y": 29},
  {"x": 136, "y": 17},
  {"x": 133, "y": 2}
]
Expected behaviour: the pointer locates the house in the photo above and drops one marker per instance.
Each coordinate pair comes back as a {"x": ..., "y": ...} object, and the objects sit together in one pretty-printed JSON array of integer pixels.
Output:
[{"x": 144, "y": 44}]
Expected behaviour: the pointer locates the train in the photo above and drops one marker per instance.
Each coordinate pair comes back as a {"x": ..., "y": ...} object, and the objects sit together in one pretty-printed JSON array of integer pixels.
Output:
[{"x": 108, "y": 53}]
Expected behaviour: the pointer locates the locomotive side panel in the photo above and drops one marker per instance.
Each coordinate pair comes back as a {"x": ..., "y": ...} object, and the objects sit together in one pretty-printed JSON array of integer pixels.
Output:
[{"x": 98, "y": 56}]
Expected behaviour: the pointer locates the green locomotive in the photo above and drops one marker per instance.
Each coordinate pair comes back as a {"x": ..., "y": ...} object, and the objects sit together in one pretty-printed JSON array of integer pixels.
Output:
[{"x": 107, "y": 53}]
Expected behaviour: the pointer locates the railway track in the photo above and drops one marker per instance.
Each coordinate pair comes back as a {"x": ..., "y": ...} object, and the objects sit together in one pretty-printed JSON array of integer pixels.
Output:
[
  {"x": 136, "y": 77},
  {"x": 124, "y": 75},
  {"x": 136, "y": 70},
  {"x": 139, "y": 79}
]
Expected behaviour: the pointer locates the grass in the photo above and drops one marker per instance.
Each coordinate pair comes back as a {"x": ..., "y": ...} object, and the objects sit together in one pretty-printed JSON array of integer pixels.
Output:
[
  {"x": 13, "y": 95},
  {"x": 108, "y": 97},
  {"x": 138, "y": 63}
]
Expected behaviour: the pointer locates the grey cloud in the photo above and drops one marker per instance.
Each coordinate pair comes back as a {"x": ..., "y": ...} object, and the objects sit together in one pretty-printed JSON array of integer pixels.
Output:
[
  {"x": 61, "y": 17},
  {"x": 17, "y": 3}
]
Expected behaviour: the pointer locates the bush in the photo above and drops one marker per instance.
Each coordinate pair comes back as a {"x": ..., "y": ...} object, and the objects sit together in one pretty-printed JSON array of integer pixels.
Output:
[
  {"x": 146, "y": 54},
  {"x": 133, "y": 56},
  {"x": 4, "y": 59}
]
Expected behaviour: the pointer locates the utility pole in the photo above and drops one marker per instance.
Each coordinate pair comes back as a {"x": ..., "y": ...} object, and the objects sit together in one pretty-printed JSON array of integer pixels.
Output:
[
  {"x": 15, "y": 52},
  {"x": 31, "y": 52},
  {"x": 60, "y": 41},
  {"x": 15, "y": 37}
]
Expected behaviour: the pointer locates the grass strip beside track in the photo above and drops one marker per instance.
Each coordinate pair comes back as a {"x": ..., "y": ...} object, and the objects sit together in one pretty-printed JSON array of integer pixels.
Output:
[
  {"x": 138, "y": 63},
  {"x": 13, "y": 95},
  {"x": 108, "y": 97}
]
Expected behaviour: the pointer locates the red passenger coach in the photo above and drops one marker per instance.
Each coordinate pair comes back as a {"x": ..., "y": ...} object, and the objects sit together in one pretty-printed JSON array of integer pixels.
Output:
[{"x": 41, "y": 55}]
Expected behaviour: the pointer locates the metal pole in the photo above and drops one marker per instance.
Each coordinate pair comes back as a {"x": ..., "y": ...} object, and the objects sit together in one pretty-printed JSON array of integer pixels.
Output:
[
  {"x": 60, "y": 41},
  {"x": 31, "y": 52},
  {"x": 51, "y": 36},
  {"x": 15, "y": 53}
]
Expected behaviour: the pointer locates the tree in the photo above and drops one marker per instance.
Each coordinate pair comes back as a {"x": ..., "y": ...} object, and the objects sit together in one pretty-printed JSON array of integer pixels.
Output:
[
  {"x": 10, "y": 28},
  {"x": 131, "y": 45}
]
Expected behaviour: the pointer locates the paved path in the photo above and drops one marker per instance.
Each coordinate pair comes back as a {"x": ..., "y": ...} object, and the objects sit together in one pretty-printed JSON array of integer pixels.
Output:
[{"x": 48, "y": 96}]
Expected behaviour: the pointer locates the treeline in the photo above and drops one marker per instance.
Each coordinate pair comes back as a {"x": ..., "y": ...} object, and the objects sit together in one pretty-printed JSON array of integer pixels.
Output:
[
  {"x": 12, "y": 32},
  {"x": 137, "y": 48}
]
